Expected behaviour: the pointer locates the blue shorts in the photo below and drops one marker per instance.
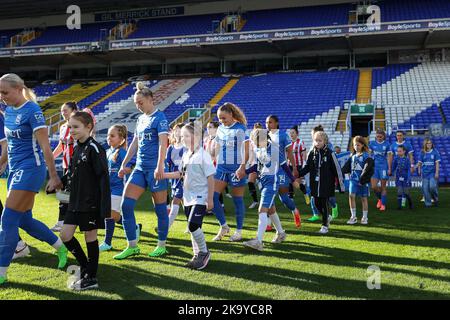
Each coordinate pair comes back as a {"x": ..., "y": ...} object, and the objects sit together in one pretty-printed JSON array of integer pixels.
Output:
[
  {"x": 359, "y": 190},
  {"x": 146, "y": 179},
  {"x": 283, "y": 179},
  {"x": 269, "y": 190},
  {"x": 380, "y": 173},
  {"x": 27, "y": 179},
  {"x": 230, "y": 178},
  {"x": 177, "y": 189}
]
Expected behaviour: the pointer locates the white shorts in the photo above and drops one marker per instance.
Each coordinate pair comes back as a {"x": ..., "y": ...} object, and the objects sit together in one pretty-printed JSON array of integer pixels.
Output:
[{"x": 116, "y": 202}]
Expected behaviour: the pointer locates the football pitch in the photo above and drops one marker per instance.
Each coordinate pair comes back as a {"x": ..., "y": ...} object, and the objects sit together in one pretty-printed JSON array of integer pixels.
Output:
[{"x": 411, "y": 250}]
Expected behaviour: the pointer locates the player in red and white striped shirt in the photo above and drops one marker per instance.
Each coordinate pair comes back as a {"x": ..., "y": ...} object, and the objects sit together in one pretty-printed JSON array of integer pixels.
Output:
[
  {"x": 64, "y": 147},
  {"x": 299, "y": 151}
]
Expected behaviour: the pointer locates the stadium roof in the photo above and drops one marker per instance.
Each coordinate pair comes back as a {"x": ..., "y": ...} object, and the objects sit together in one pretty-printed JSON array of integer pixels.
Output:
[{"x": 11, "y": 9}]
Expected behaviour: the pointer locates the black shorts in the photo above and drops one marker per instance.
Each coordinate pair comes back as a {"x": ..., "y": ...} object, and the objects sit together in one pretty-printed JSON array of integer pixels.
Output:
[
  {"x": 86, "y": 221},
  {"x": 195, "y": 213}
]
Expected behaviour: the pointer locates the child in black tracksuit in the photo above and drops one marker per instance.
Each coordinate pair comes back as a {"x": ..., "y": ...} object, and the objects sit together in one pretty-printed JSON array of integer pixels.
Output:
[
  {"x": 90, "y": 199},
  {"x": 323, "y": 169}
]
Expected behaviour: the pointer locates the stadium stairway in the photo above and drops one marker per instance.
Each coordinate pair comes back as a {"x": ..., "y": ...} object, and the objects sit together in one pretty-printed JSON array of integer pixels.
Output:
[
  {"x": 108, "y": 96},
  {"x": 77, "y": 92},
  {"x": 341, "y": 125},
  {"x": 364, "y": 86},
  {"x": 164, "y": 93},
  {"x": 222, "y": 92}
]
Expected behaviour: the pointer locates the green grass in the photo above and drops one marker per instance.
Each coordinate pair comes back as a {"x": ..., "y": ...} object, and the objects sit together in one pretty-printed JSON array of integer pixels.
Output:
[{"x": 410, "y": 247}]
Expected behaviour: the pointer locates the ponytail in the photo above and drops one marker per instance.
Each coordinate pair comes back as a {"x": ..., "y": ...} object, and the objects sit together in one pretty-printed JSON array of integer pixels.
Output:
[
  {"x": 122, "y": 130},
  {"x": 29, "y": 94}
]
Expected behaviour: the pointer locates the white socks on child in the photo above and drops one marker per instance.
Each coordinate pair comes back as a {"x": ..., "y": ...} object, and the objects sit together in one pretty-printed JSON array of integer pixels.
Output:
[
  {"x": 276, "y": 222},
  {"x": 262, "y": 225},
  {"x": 173, "y": 214},
  {"x": 57, "y": 244},
  {"x": 365, "y": 213},
  {"x": 195, "y": 248},
  {"x": 353, "y": 211},
  {"x": 199, "y": 238}
]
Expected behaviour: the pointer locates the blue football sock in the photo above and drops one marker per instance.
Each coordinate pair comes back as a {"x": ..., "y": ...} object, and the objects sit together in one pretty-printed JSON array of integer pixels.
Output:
[
  {"x": 9, "y": 235},
  {"x": 37, "y": 229},
  {"x": 383, "y": 199},
  {"x": 128, "y": 218},
  {"x": 110, "y": 225},
  {"x": 240, "y": 211},
  {"x": 399, "y": 200},
  {"x": 163, "y": 221},
  {"x": 332, "y": 202},
  {"x": 313, "y": 207},
  {"x": 120, "y": 221},
  {"x": 378, "y": 194},
  {"x": 218, "y": 209},
  {"x": 288, "y": 202}
]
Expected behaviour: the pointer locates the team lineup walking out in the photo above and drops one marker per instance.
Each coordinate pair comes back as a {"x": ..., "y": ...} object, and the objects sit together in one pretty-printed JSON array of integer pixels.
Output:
[{"x": 101, "y": 185}]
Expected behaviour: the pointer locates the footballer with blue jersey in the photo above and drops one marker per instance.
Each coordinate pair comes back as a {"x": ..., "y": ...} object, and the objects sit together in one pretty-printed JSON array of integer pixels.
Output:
[
  {"x": 282, "y": 144},
  {"x": 380, "y": 150},
  {"x": 173, "y": 160},
  {"x": 150, "y": 142},
  {"x": 268, "y": 168},
  {"x": 232, "y": 153},
  {"x": 400, "y": 141},
  {"x": 117, "y": 140},
  {"x": 28, "y": 152},
  {"x": 429, "y": 170}
]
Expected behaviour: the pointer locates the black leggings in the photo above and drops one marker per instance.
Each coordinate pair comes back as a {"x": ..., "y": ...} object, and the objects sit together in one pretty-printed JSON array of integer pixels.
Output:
[
  {"x": 194, "y": 215},
  {"x": 323, "y": 208}
]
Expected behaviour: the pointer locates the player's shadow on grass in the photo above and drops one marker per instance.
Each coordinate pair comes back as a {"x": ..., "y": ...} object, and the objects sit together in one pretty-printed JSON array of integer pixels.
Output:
[
  {"x": 324, "y": 256},
  {"x": 367, "y": 235},
  {"x": 317, "y": 283},
  {"x": 126, "y": 281}
]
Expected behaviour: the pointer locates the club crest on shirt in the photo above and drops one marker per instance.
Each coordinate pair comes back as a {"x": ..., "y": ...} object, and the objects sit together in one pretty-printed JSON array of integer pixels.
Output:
[{"x": 39, "y": 117}]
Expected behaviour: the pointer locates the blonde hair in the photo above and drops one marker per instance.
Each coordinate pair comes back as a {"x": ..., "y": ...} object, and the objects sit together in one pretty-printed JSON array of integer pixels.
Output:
[
  {"x": 235, "y": 111},
  {"x": 17, "y": 82},
  {"x": 424, "y": 146},
  {"x": 322, "y": 135},
  {"x": 122, "y": 130},
  {"x": 363, "y": 141},
  {"x": 172, "y": 139},
  {"x": 143, "y": 90}
]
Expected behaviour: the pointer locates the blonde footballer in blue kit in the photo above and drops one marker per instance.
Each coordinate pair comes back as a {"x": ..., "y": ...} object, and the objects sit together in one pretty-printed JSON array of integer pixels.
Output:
[
  {"x": 150, "y": 143},
  {"x": 28, "y": 152}
]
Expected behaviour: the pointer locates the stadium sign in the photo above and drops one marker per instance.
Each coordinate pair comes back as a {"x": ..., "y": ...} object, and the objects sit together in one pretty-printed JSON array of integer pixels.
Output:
[
  {"x": 238, "y": 37},
  {"x": 288, "y": 34},
  {"x": 139, "y": 14},
  {"x": 45, "y": 50}
]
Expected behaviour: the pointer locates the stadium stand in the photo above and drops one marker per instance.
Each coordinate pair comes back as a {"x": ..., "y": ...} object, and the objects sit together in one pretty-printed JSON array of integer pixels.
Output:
[
  {"x": 176, "y": 26},
  {"x": 62, "y": 35},
  {"x": 200, "y": 94},
  {"x": 295, "y": 97}
]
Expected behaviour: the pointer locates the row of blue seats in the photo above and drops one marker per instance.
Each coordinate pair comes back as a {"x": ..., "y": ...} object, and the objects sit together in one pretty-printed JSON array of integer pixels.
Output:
[
  {"x": 264, "y": 95},
  {"x": 201, "y": 93},
  {"x": 99, "y": 94},
  {"x": 390, "y": 72}
]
